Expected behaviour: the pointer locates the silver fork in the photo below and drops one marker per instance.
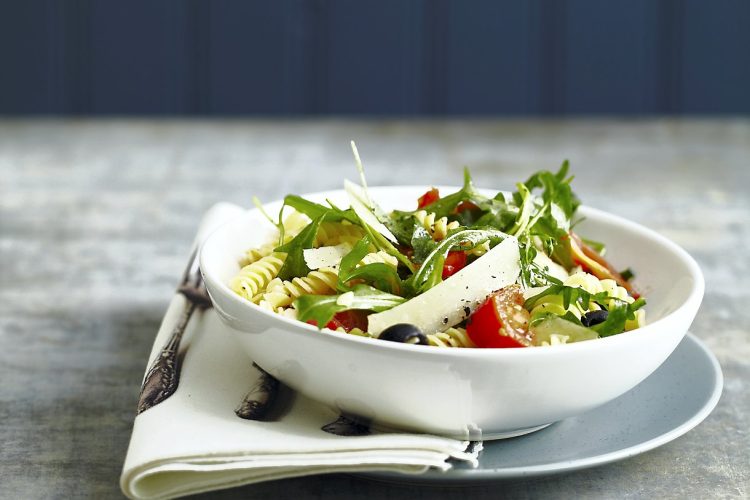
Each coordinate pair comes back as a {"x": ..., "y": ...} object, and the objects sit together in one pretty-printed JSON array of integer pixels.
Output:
[{"x": 163, "y": 376}]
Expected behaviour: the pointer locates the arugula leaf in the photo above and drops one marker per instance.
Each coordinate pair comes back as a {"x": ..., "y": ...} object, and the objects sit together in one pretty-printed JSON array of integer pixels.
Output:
[
  {"x": 315, "y": 210},
  {"x": 498, "y": 212},
  {"x": 556, "y": 189},
  {"x": 532, "y": 274},
  {"x": 618, "y": 310},
  {"x": 295, "y": 264},
  {"x": 627, "y": 274},
  {"x": 321, "y": 308},
  {"x": 402, "y": 225},
  {"x": 552, "y": 221},
  {"x": 422, "y": 244},
  {"x": 382, "y": 243},
  {"x": 430, "y": 272},
  {"x": 381, "y": 275},
  {"x": 615, "y": 322},
  {"x": 597, "y": 246},
  {"x": 527, "y": 205},
  {"x": 446, "y": 206}
]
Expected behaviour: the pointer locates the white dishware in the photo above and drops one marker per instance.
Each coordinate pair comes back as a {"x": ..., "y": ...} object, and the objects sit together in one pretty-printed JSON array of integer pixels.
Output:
[
  {"x": 678, "y": 396},
  {"x": 464, "y": 393}
]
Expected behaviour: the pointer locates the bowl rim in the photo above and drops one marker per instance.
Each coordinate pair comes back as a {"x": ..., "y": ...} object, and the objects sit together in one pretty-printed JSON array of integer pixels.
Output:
[{"x": 691, "y": 302}]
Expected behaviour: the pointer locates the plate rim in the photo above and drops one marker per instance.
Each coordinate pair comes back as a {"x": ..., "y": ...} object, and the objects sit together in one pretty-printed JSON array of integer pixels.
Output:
[{"x": 457, "y": 476}]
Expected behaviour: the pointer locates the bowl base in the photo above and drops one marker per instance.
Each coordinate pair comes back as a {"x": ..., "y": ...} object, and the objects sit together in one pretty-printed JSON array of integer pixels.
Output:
[{"x": 493, "y": 436}]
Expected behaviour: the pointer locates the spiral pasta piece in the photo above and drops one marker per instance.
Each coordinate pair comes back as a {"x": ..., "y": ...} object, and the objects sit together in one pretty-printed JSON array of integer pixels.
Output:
[
  {"x": 438, "y": 228},
  {"x": 281, "y": 293},
  {"x": 336, "y": 233},
  {"x": 293, "y": 224},
  {"x": 480, "y": 249},
  {"x": 452, "y": 337},
  {"x": 594, "y": 285},
  {"x": 253, "y": 278},
  {"x": 587, "y": 281},
  {"x": 615, "y": 291},
  {"x": 554, "y": 304},
  {"x": 255, "y": 254},
  {"x": 354, "y": 331}
]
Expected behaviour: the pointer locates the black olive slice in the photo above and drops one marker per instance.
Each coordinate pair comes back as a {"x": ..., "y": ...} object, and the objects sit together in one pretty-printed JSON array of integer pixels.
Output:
[
  {"x": 592, "y": 318},
  {"x": 405, "y": 333}
]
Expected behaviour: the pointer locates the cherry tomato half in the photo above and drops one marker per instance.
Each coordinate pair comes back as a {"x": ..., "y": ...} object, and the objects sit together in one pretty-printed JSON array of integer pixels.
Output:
[
  {"x": 428, "y": 198},
  {"x": 454, "y": 262},
  {"x": 348, "y": 320},
  {"x": 501, "y": 321},
  {"x": 466, "y": 205}
]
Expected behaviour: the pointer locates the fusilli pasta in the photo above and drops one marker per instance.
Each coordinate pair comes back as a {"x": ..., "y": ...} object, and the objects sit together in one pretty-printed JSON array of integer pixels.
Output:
[
  {"x": 336, "y": 233},
  {"x": 253, "y": 278},
  {"x": 280, "y": 293},
  {"x": 452, "y": 337},
  {"x": 438, "y": 228}
]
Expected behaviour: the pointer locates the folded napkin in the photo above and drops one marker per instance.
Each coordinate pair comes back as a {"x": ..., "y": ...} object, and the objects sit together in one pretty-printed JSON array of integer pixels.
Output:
[{"x": 196, "y": 440}]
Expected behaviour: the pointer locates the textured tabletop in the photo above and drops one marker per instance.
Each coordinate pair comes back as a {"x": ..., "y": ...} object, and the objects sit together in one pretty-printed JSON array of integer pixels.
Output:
[{"x": 96, "y": 218}]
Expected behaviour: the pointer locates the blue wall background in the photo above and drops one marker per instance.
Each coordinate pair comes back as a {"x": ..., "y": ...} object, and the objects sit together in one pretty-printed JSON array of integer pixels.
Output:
[{"x": 385, "y": 57}]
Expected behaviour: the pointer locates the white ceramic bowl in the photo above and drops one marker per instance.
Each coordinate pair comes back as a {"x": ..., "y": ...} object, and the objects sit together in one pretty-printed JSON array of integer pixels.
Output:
[{"x": 464, "y": 393}]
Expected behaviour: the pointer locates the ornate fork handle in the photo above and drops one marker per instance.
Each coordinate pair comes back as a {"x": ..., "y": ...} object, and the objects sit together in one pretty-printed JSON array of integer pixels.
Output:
[{"x": 163, "y": 376}]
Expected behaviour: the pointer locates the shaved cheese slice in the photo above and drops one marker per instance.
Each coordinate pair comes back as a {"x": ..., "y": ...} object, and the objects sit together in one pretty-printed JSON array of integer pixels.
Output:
[
  {"x": 456, "y": 298},
  {"x": 315, "y": 258},
  {"x": 359, "y": 203}
]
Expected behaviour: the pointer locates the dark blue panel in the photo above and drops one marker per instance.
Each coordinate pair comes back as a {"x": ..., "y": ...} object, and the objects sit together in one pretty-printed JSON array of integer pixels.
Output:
[
  {"x": 139, "y": 57},
  {"x": 28, "y": 80},
  {"x": 259, "y": 56},
  {"x": 716, "y": 57},
  {"x": 373, "y": 57},
  {"x": 611, "y": 57},
  {"x": 489, "y": 66}
]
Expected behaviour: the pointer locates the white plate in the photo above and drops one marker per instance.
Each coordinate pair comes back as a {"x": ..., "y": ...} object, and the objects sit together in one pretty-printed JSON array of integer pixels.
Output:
[{"x": 679, "y": 395}]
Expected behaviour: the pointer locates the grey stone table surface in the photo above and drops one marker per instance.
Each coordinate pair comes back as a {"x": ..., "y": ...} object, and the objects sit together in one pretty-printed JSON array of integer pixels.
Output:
[{"x": 96, "y": 217}]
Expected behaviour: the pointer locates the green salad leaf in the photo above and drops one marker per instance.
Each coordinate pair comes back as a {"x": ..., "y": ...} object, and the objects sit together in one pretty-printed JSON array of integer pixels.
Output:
[
  {"x": 447, "y": 205},
  {"x": 422, "y": 244},
  {"x": 315, "y": 210},
  {"x": 378, "y": 274},
  {"x": 294, "y": 264},
  {"x": 430, "y": 272},
  {"x": 618, "y": 310},
  {"x": 322, "y": 308}
]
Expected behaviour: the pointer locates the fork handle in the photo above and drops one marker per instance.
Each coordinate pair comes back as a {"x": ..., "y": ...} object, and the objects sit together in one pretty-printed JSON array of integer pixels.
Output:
[{"x": 163, "y": 376}]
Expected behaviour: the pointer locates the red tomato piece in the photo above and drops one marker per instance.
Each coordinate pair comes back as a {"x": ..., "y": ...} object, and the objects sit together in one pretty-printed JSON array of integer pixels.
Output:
[
  {"x": 501, "y": 321},
  {"x": 466, "y": 205},
  {"x": 348, "y": 320},
  {"x": 428, "y": 198},
  {"x": 454, "y": 262}
]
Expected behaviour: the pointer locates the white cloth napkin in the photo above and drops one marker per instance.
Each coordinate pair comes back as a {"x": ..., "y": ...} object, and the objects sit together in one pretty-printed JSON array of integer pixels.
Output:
[{"x": 194, "y": 442}]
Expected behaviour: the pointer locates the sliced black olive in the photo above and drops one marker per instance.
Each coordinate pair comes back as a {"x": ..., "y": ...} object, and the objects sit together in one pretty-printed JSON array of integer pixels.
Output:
[
  {"x": 592, "y": 318},
  {"x": 404, "y": 332}
]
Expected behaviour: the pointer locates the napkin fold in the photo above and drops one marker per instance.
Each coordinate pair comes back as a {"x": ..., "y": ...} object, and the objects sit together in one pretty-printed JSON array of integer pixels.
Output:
[{"x": 194, "y": 441}]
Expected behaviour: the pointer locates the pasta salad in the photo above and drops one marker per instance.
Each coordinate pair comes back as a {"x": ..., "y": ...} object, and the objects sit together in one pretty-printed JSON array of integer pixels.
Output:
[{"x": 459, "y": 270}]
